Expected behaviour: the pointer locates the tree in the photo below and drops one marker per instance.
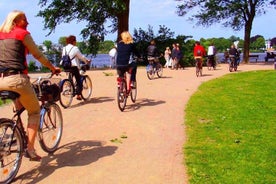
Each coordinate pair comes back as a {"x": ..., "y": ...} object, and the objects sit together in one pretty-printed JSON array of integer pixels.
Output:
[
  {"x": 94, "y": 13},
  {"x": 232, "y": 13}
]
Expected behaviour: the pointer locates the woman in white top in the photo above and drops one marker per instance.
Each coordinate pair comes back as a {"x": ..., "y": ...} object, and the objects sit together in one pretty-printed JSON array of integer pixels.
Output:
[
  {"x": 167, "y": 56},
  {"x": 73, "y": 51}
]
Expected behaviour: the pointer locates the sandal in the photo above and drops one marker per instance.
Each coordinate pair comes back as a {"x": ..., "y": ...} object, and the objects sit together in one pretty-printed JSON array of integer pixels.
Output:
[{"x": 32, "y": 156}]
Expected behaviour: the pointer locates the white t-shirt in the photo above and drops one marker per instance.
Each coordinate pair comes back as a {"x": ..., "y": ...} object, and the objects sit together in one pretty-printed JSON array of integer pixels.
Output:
[
  {"x": 112, "y": 52},
  {"x": 75, "y": 53},
  {"x": 211, "y": 50}
]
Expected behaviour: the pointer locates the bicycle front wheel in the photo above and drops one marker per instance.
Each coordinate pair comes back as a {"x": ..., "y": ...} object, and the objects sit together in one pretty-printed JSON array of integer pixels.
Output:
[
  {"x": 159, "y": 70},
  {"x": 86, "y": 87},
  {"x": 11, "y": 150},
  {"x": 133, "y": 92},
  {"x": 51, "y": 127},
  {"x": 122, "y": 95},
  {"x": 67, "y": 93}
]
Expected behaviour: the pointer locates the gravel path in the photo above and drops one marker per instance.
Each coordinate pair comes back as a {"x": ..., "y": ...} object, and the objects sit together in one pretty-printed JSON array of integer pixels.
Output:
[{"x": 142, "y": 145}]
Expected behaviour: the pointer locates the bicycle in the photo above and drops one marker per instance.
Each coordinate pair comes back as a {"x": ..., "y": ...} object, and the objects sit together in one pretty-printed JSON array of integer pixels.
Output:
[
  {"x": 232, "y": 64},
  {"x": 154, "y": 67},
  {"x": 68, "y": 87},
  {"x": 198, "y": 65},
  {"x": 125, "y": 89},
  {"x": 13, "y": 137}
]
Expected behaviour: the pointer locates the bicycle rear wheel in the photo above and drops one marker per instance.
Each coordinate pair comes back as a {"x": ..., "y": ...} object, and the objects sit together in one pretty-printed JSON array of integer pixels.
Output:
[
  {"x": 150, "y": 71},
  {"x": 159, "y": 70},
  {"x": 11, "y": 150},
  {"x": 86, "y": 87},
  {"x": 67, "y": 93},
  {"x": 133, "y": 92},
  {"x": 50, "y": 128},
  {"x": 122, "y": 95}
]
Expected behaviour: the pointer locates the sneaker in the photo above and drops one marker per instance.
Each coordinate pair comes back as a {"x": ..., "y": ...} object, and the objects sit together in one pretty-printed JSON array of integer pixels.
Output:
[{"x": 32, "y": 156}]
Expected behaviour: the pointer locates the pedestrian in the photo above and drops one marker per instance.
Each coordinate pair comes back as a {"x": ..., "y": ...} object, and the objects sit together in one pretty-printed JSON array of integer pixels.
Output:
[
  {"x": 167, "y": 56},
  {"x": 112, "y": 54}
]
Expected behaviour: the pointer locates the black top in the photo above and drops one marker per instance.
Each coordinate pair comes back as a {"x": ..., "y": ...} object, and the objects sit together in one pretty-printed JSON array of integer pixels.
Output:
[{"x": 124, "y": 53}]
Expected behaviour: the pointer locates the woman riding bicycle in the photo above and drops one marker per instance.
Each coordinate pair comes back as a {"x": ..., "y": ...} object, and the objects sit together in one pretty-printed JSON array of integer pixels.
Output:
[
  {"x": 15, "y": 43},
  {"x": 124, "y": 62},
  {"x": 199, "y": 53},
  {"x": 74, "y": 53}
]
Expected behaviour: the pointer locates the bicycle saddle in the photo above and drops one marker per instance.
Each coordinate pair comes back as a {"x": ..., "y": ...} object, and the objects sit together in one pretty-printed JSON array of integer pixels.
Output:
[{"x": 8, "y": 95}]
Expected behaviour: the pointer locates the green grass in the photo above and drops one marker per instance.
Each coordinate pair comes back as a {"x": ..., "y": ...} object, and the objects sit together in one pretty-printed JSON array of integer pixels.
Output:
[{"x": 231, "y": 130}]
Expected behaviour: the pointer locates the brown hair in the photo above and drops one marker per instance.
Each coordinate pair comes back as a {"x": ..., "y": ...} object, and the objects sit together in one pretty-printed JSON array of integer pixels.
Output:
[{"x": 71, "y": 39}]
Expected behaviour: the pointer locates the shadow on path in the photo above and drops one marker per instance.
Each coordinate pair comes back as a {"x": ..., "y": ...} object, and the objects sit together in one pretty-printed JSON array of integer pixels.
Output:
[{"x": 74, "y": 154}]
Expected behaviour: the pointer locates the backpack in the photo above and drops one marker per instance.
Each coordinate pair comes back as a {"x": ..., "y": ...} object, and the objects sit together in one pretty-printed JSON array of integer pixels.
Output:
[
  {"x": 66, "y": 60},
  {"x": 198, "y": 52}
]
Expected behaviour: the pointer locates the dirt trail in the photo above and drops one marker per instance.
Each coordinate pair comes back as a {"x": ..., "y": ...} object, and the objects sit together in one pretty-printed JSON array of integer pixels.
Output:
[{"x": 143, "y": 144}]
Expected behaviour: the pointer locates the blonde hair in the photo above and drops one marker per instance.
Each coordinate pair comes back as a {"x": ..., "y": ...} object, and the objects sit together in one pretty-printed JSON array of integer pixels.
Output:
[
  {"x": 126, "y": 37},
  {"x": 9, "y": 22}
]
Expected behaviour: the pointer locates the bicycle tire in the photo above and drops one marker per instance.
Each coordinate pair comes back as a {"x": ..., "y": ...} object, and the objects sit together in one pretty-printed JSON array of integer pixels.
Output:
[
  {"x": 150, "y": 72},
  {"x": 159, "y": 70},
  {"x": 197, "y": 70},
  {"x": 66, "y": 93},
  {"x": 133, "y": 92},
  {"x": 87, "y": 88},
  {"x": 122, "y": 95},
  {"x": 11, "y": 150},
  {"x": 50, "y": 128}
]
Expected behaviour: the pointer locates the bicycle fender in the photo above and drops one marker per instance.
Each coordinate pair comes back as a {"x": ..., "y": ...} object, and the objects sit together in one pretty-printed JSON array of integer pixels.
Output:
[{"x": 42, "y": 114}]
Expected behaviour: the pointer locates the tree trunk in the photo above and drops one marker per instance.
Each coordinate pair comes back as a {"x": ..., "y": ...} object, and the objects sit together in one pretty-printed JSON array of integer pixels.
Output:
[
  {"x": 123, "y": 19},
  {"x": 247, "y": 33}
]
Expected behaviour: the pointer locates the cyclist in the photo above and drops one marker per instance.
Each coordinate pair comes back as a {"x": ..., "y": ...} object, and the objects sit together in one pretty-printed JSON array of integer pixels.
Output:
[
  {"x": 15, "y": 43},
  {"x": 211, "y": 53},
  {"x": 125, "y": 53},
  {"x": 234, "y": 53},
  {"x": 199, "y": 53},
  {"x": 74, "y": 53},
  {"x": 153, "y": 53}
]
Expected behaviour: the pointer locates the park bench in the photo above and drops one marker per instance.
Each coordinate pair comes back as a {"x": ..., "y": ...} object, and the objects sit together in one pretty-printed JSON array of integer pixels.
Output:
[{"x": 254, "y": 56}]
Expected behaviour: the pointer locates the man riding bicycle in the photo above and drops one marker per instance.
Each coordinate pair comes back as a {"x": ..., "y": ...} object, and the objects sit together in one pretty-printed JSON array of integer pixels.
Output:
[
  {"x": 152, "y": 53},
  {"x": 74, "y": 53},
  {"x": 199, "y": 53},
  {"x": 234, "y": 53}
]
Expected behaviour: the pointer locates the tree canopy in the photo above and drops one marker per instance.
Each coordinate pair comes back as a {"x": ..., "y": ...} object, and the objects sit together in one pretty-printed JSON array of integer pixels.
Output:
[
  {"x": 231, "y": 13},
  {"x": 95, "y": 13}
]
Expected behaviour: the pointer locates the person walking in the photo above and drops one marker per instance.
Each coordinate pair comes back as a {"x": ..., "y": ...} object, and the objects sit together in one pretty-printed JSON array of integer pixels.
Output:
[
  {"x": 167, "y": 56},
  {"x": 15, "y": 43},
  {"x": 112, "y": 54},
  {"x": 74, "y": 53}
]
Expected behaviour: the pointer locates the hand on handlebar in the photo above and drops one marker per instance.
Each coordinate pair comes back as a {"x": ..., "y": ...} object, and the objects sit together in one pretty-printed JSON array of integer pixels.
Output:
[{"x": 56, "y": 71}]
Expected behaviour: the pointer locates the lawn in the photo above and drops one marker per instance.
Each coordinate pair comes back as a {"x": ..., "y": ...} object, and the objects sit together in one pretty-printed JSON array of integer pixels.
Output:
[{"x": 231, "y": 130}]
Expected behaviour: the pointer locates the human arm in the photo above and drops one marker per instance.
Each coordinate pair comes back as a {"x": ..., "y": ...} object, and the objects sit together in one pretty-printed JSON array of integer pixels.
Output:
[{"x": 33, "y": 49}]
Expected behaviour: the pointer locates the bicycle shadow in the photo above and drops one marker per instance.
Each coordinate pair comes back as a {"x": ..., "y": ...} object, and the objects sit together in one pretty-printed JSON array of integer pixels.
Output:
[
  {"x": 93, "y": 100},
  {"x": 75, "y": 154},
  {"x": 144, "y": 102}
]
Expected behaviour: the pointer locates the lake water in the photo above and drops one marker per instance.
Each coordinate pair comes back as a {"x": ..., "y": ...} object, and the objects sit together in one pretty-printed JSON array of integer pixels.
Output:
[{"x": 103, "y": 60}]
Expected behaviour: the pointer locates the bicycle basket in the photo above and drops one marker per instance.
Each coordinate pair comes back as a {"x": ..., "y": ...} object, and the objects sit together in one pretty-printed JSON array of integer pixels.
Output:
[{"x": 47, "y": 90}]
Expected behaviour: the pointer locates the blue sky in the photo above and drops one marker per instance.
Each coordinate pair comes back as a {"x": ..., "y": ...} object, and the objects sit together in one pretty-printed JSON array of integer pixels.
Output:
[{"x": 142, "y": 14}]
